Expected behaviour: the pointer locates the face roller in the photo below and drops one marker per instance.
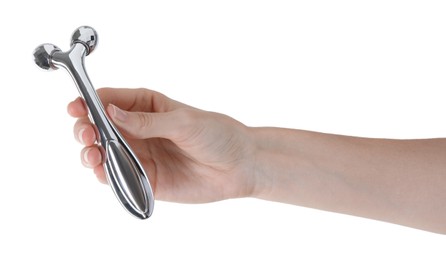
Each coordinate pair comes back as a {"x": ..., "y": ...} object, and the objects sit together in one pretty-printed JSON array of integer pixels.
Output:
[{"x": 124, "y": 173}]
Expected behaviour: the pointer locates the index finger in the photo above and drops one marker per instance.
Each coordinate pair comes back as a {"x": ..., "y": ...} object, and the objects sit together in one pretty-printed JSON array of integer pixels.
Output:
[{"x": 77, "y": 108}]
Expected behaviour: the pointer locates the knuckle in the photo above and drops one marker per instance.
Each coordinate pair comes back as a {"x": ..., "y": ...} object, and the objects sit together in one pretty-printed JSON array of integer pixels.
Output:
[
  {"x": 187, "y": 116},
  {"x": 189, "y": 121},
  {"x": 103, "y": 91},
  {"x": 151, "y": 101},
  {"x": 145, "y": 121},
  {"x": 80, "y": 122},
  {"x": 105, "y": 94}
]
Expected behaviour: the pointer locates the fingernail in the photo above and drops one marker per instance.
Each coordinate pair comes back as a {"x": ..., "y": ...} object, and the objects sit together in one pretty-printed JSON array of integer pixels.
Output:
[
  {"x": 85, "y": 157},
  {"x": 81, "y": 136},
  {"x": 119, "y": 114}
]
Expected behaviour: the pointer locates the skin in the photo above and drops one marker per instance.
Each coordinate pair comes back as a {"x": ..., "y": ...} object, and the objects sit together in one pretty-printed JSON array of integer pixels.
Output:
[{"x": 196, "y": 156}]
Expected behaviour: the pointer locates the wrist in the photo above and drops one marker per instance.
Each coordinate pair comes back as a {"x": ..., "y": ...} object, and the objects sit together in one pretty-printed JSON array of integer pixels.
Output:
[
  {"x": 284, "y": 164},
  {"x": 275, "y": 161},
  {"x": 262, "y": 180}
]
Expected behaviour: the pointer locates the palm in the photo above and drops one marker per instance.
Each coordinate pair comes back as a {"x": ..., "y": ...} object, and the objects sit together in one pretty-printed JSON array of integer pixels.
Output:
[{"x": 177, "y": 176}]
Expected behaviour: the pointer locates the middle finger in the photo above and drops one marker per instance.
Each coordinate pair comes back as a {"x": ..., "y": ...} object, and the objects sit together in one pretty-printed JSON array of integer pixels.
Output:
[{"x": 84, "y": 132}]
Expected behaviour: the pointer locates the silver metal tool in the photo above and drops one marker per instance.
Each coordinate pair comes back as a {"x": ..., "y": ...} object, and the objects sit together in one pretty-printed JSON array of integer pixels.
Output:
[{"x": 125, "y": 174}]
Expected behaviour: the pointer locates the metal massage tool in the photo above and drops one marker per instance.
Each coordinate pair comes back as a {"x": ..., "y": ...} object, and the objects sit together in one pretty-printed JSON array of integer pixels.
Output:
[{"x": 124, "y": 173}]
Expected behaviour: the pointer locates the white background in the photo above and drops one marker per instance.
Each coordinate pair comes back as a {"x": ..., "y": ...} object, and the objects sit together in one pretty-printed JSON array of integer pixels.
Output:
[{"x": 365, "y": 68}]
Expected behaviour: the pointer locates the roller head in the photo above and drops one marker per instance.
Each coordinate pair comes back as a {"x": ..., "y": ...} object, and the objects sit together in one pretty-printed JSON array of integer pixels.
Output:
[
  {"x": 42, "y": 56},
  {"x": 87, "y": 36}
]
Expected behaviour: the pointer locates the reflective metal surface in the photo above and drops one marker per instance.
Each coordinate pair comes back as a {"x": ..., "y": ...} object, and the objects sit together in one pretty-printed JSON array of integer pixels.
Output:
[
  {"x": 125, "y": 174},
  {"x": 87, "y": 36},
  {"x": 42, "y": 56}
]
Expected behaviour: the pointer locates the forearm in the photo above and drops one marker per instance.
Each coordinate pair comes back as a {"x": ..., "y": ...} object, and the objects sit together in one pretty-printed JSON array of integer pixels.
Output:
[{"x": 399, "y": 181}]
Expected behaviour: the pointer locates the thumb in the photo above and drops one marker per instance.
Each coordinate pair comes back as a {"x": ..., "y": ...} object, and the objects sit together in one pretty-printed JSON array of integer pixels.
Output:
[{"x": 142, "y": 125}]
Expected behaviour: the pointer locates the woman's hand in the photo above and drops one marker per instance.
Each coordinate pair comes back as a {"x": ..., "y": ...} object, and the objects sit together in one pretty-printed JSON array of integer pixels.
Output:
[
  {"x": 190, "y": 155},
  {"x": 195, "y": 156}
]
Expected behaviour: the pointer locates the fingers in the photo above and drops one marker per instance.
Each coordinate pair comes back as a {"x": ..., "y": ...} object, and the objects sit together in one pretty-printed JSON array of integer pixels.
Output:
[
  {"x": 84, "y": 132},
  {"x": 148, "y": 125},
  {"x": 137, "y": 99},
  {"x": 77, "y": 108},
  {"x": 91, "y": 156},
  {"x": 142, "y": 100},
  {"x": 100, "y": 174}
]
